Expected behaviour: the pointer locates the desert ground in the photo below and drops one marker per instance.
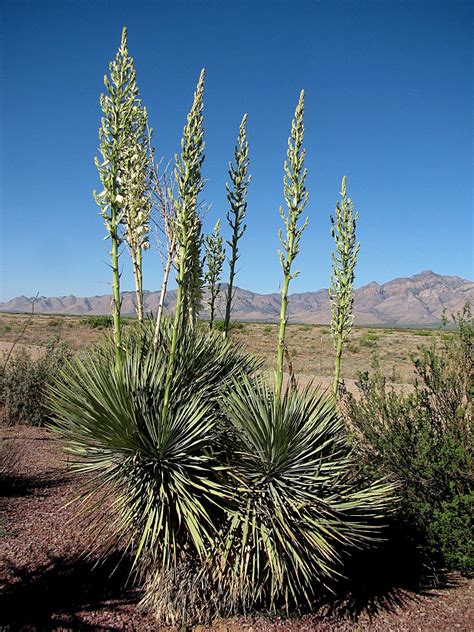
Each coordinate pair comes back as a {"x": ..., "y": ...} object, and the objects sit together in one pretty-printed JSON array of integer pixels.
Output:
[
  {"x": 49, "y": 576},
  {"x": 310, "y": 346}
]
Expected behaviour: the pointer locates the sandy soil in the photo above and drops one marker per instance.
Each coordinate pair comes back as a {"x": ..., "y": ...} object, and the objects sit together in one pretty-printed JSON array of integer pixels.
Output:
[{"x": 47, "y": 582}]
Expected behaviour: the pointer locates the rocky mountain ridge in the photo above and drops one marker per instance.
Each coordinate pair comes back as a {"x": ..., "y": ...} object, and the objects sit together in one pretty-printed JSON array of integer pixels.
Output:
[{"x": 415, "y": 300}]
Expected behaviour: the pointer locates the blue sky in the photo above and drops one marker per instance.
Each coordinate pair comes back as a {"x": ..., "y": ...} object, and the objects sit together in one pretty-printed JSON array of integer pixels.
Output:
[{"x": 388, "y": 103}]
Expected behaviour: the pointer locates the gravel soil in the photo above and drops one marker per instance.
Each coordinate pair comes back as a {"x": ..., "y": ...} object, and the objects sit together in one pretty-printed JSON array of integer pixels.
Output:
[{"x": 48, "y": 583}]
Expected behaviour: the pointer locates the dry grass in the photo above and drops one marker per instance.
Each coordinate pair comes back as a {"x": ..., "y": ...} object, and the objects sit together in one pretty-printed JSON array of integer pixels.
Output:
[
  {"x": 312, "y": 351},
  {"x": 310, "y": 346}
]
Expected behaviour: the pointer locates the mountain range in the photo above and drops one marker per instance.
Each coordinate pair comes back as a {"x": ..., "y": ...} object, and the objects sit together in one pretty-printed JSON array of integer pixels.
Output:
[{"x": 415, "y": 300}]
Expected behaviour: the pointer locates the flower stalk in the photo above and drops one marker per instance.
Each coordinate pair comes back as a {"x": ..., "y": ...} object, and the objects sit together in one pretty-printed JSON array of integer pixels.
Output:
[
  {"x": 296, "y": 198},
  {"x": 189, "y": 182},
  {"x": 137, "y": 179},
  {"x": 341, "y": 292},
  {"x": 118, "y": 104},
  {"x": 215, "y": 257},
  {"x": 237, "y": 198}
]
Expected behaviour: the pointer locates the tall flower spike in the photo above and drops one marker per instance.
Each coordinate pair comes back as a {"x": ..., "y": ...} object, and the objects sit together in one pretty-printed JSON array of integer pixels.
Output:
[
  {"x": 117, "y": 105},
  {"x": 344, "y": 259},
  {"x": 296, "y": 198},
  {"x": 237, "y": 197},
  {"x": 189, "y": 184},
  {"x": 137, "y": 177},
  {"x": 215, "y": 257}
]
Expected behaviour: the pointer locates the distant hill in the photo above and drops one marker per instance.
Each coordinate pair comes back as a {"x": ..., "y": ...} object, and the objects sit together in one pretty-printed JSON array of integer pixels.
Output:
[{"x": 415, "y": 300}]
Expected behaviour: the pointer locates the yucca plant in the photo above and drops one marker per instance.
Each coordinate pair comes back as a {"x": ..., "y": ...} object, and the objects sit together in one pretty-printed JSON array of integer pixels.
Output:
[
  {"x": 299, "y": 504},
  {"x": 344, "y": 259},
  {"x": 160, "y": 469}
]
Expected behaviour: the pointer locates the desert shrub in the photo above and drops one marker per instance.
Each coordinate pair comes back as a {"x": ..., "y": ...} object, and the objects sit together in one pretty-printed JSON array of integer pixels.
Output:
[
  {"x": 24, "y": 381},
  {"x": 368, "y": 339},
  {"x": 98, "y": 322},
  {"x": 424, "y": 441},
  {"x": 219, "y": 325},
  {"x": 300, "y": 505}
]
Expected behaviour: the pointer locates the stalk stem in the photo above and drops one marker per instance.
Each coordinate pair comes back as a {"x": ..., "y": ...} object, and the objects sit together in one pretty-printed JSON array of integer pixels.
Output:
[
  {"x": 282, "y": 328},
  {"x": 230, "y": 290},
  {"x": 137, "y": 273},
  {"x": 176, "y": 330},
  {"x": 164, "y": 286},
  {"x": 337, "y": 364},
  {"x": 116, "y": 301}
]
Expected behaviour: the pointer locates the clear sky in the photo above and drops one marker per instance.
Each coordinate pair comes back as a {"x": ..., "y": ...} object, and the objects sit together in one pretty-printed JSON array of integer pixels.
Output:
[{"x": 389, "y": 89}]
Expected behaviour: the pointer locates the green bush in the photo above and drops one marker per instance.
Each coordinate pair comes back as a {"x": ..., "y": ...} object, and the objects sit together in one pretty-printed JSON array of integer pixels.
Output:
[
  {"x": 423, "y": 332},
  {"x": 218, "y": 325},
  {"x": 24, "y": 381},
  {"x": 98, "y": 322},
  {"x": 352, "y": 347},
  {"x": 424, "y": 441},
  {"x": 369, "y": 339}
]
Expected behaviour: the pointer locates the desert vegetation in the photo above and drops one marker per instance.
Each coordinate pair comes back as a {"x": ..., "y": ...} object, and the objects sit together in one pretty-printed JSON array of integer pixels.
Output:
[{"x": 231, "y": 484}]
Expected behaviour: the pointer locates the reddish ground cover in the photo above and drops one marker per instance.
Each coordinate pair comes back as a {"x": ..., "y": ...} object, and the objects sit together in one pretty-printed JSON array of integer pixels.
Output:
[{"x": 46, "y": 582}]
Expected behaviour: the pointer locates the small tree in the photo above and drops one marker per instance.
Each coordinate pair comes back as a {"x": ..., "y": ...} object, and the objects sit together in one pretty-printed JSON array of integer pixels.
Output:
[
  {"x": 189, "y": 184},
  {"x": 215, "y": 257},
  {"x": 237, "y": 197},
  {"x": 118, "y": 106},
  {"x": 344, "y": 259},
  {"x": 296, "y": 198}
]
